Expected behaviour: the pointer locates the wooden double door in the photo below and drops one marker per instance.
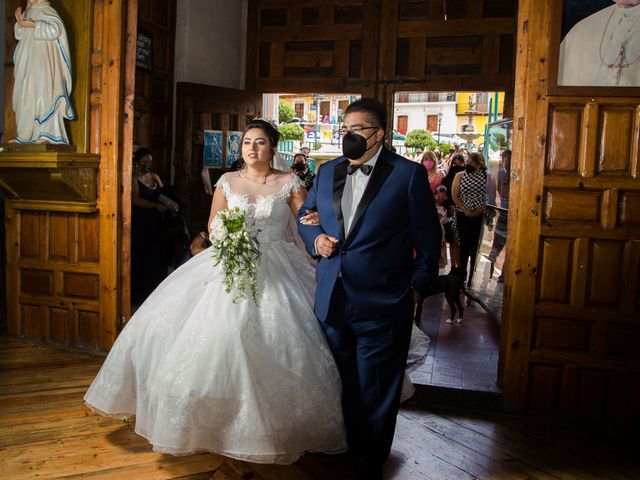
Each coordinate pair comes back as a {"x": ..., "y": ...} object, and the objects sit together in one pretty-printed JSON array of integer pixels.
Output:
[{"x": 572, "y": 292}]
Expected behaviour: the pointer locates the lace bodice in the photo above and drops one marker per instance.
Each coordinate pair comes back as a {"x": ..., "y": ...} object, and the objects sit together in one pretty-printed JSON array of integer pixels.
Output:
[{"x": 267, "y": 203}]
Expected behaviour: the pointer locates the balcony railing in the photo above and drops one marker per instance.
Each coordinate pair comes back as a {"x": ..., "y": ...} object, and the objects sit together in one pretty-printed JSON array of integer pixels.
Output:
[{"x": 425, "y": 97}]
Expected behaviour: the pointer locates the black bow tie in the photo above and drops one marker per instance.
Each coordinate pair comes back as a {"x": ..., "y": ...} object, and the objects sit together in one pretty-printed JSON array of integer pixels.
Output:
[{"x": 353, "y": 167}]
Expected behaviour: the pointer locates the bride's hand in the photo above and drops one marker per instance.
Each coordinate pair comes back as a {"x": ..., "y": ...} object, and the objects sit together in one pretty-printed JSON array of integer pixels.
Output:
[{"x": 311, "y": 218}]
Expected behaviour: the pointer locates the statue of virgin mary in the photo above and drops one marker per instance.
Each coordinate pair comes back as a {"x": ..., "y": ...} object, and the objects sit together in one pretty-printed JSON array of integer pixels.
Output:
[{"x": 42, "y": 75}]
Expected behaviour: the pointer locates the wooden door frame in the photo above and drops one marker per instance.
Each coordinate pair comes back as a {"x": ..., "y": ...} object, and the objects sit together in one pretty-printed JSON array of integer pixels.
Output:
[{"x": 126, "y": 174}]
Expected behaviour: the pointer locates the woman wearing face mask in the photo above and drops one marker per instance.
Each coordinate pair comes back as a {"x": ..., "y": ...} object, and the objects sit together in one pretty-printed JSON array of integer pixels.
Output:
[
  {"x": 301, "y": 168},
  {"x": 429, "y": 160},
  {"x": 469, "y": 193},
  {"x": 457, "y": 166},
  {"x": 148, "y": 250}
]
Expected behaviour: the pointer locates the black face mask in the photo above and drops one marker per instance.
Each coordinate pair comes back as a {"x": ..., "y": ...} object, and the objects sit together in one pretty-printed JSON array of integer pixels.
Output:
[
  {"x": 298, "y": 167},
  {"x": 354, "y": 146},
  {"x": 455, "y": 169},
  {"x": 469, "y": 168}
]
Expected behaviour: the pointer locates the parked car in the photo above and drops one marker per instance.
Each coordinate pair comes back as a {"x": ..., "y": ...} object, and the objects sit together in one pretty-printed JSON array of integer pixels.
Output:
[
  {"x": 296, "y": 120},
  {"x": 449, "y": 138}
]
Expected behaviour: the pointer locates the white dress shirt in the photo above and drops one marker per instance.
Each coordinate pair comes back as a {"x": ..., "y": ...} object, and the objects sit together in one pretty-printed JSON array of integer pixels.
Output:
[{"x": 354, "y": 187}]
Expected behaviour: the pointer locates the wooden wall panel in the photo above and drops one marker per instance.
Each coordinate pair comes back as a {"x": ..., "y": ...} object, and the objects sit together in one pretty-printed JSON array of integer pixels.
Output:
[
  {"x": 571, "y": 315},
  {"x": 80, "y": 285},
  {"x": 30, "y": 232},
  {"x": 59, "y": 325},
  {"x": 36, "y": 282},
  {"x": 555, "y": 276},
  {"x": 572, "y": 206},
  {"x": 56, "y": 277},
  {"x": 31, "y": 321},
  {"x": 438, "y": 45},
  {"x": 87, "y": 332},
  {"x": 605, "y": 273},
  {"x": 319, "y": 43},
  {"x": 544, "y": 387},
  {"x": 629, "y": 209},
  {"x": 153, "y": 100},
  {"x": 622, "y": 340},
  {"x": 593, "y": 385},
  {"x": 88, "y": 238},
  {"x": 562, "y": 334},
  {"x": 59, "y": 237},
  {"x": 615, "y": 135},
  {"x": 564, "y": 139}
]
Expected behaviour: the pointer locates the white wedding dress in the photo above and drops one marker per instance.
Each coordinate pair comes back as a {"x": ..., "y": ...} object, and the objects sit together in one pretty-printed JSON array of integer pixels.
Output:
[
  {"x": 256, "y": 382},
  {"x": 202, "y": 373}
]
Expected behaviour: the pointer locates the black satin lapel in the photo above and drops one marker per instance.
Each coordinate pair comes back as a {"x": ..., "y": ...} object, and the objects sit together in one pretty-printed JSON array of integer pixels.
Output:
[
  {"x": 378, "y": 176},
  {"x": 339, "y": 179}
]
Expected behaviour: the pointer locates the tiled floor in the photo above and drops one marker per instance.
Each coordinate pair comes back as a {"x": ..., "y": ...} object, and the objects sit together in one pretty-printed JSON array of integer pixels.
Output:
[{"x": 461, "y": 356}]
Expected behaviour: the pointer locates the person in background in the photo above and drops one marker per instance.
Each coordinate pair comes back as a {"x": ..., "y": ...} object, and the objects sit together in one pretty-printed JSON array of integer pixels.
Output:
[
  {"x": 469, "y": 193},
  {"x": 430, "y": 162},
  {"x": 438, "y": 154},
  {"x": 455, "y": 150},
  {"x": 451, "y": 235},
  {"x": 500, "y": 234},
  {"x": 148, "y": 250},
  {"x": 443, "y": 206},
  {"x": 301, "y": 168}
]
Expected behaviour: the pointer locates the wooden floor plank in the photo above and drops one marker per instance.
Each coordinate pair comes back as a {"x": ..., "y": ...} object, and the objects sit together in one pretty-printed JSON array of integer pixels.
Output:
[
  {"x": 465, "y": 458},
  {"x": 46, "y": 432},
  {"x": 549, "y": 453}
]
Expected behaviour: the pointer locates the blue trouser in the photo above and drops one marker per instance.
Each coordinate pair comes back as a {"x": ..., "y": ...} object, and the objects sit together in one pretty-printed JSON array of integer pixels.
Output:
[{"x": 371, "y": 357}]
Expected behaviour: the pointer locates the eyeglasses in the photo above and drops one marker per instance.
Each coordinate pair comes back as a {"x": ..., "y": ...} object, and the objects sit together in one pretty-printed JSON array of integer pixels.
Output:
[{"x": 345, "y": 130}]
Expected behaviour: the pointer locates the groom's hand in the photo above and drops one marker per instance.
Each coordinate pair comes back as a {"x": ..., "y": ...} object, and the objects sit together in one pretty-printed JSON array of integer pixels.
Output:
[{"x": 326, "y": 245}]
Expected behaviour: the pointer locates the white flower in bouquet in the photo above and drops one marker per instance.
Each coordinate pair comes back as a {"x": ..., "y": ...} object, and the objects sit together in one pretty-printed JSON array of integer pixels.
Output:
[{"x": 235, "y": 245}]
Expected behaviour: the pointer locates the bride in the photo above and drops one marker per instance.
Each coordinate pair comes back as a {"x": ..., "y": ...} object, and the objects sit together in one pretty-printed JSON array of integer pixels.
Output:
[{"x": 252, "y": 380}]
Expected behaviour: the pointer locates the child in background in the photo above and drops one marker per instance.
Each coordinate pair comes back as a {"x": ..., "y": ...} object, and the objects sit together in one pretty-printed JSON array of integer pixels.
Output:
[{"x": 443, "y": 206}]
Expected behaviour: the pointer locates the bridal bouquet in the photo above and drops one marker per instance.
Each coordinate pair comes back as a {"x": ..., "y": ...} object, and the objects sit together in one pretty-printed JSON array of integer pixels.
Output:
[{"x": 235, "y": 245}]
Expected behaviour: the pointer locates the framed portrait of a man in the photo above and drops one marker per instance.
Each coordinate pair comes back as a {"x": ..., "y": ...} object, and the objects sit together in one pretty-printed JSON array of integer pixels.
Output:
[{"x": 599, "y": 45}]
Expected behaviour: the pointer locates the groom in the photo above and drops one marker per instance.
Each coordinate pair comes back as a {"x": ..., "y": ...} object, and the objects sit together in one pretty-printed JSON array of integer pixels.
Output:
[{"x": 378, "y": 242}]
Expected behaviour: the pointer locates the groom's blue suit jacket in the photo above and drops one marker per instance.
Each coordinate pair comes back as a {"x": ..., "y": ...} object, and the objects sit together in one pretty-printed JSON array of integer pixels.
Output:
[{"x": 395, "y": 219}]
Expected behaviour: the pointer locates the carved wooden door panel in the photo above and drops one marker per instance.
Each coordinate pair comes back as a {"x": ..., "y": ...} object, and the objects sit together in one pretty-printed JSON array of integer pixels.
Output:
[
  {"x": 312, "y": 46},
  {"x": 571, "y": 344}
]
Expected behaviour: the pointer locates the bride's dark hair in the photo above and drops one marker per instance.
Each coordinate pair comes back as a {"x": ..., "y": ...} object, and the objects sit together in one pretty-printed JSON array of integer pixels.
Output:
[{"x": 267, "y": 127}]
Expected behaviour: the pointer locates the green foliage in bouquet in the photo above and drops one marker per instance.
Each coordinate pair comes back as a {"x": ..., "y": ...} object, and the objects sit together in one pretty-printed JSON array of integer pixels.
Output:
[{"x": 235, "y": 246}]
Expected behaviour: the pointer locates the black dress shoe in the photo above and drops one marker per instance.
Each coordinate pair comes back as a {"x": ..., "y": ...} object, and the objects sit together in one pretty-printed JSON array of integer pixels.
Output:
[{"x": 369, "y": 471}]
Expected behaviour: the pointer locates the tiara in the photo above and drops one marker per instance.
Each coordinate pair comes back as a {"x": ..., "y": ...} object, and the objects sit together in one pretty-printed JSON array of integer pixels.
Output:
[{"x": 266, "y": 120}]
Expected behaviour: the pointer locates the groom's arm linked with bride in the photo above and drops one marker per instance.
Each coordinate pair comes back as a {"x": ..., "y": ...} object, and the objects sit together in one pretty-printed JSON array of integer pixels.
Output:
[{"x": 368, "y": 273}]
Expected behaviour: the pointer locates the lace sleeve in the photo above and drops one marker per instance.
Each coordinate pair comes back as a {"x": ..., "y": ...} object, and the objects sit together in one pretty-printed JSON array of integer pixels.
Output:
[
  {"x": 294, "y": 184},
  {"x": 223, "y": 182}
]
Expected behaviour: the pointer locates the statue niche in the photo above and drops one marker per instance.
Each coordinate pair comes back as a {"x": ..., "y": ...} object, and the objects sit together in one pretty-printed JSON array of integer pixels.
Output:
[{"x": 43, "y": 76}]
